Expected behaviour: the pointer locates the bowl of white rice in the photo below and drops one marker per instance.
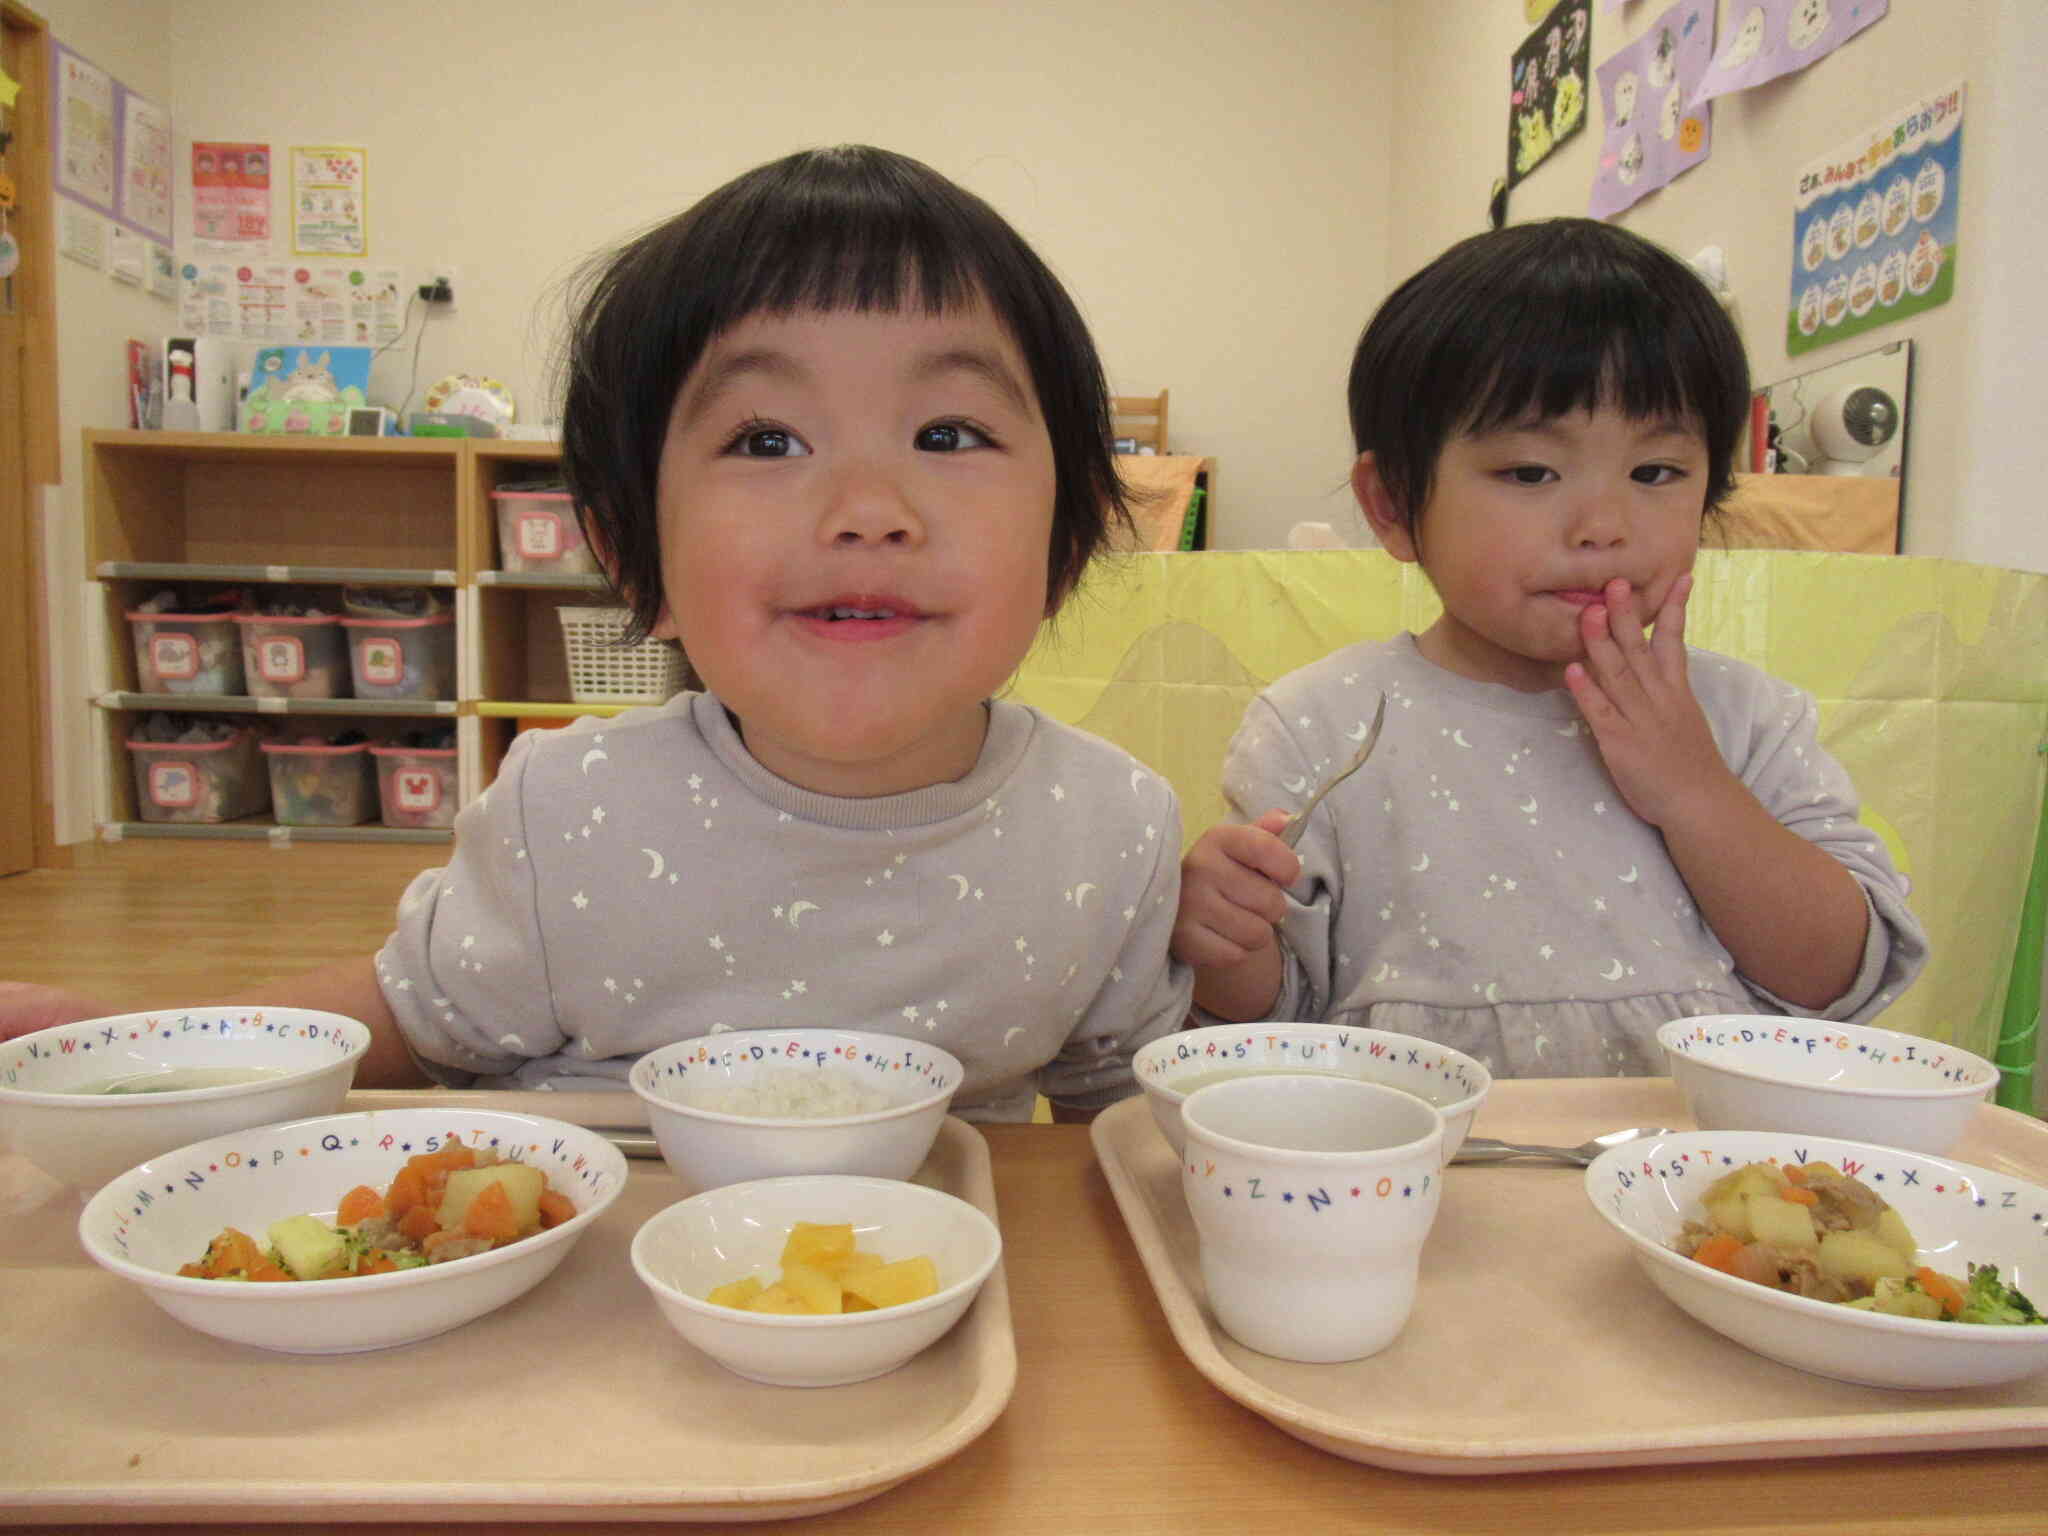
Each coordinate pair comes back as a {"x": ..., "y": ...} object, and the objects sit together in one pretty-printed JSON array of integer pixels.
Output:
[{"x": 759, "y": 1104}]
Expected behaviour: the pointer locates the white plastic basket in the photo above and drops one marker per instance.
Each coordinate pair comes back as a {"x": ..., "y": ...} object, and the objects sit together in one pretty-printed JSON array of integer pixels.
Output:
[{"x": 601, "y": 671}]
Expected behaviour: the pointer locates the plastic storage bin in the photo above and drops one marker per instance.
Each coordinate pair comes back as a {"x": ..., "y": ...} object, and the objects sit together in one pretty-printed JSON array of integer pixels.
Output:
[
  {"x": 416, "y": 785},
  {"x": 284, "y": 657},
  {"x": 313, "y": 784},
  {"x": 199, "y": 780},
  {"x": 402, "y": 658},
  {"x": 538, "y": 533},
  {"x": 601, "y": 671},
  {"x": 186, "y": 652}
]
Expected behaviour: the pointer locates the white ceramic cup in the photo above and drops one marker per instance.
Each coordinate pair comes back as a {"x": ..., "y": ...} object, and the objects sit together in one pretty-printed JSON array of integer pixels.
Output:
[{"x": 1312, "y": 1197}]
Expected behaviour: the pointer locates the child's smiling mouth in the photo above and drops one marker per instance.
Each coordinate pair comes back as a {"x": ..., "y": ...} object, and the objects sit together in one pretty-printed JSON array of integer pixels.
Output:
[{"x": 861, "y": 617}]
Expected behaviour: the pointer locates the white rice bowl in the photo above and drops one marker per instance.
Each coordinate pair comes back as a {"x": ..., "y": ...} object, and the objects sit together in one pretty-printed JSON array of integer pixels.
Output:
[{"x": 755, "y": 1104}]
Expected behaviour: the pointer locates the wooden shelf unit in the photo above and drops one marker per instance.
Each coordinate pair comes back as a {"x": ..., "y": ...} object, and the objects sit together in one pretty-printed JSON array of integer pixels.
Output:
[{"x": 199, "y": 509}]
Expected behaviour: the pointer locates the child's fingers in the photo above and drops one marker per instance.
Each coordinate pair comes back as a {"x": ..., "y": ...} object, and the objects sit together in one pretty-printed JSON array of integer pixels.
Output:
[{"x": 1670, "y": 634}]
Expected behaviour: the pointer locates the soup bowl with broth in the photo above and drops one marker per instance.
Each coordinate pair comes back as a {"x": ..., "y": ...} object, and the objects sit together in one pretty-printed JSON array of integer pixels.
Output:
[
  {"x": 87, "y": 1101},
  {"x": 1174, "y": 1066}
]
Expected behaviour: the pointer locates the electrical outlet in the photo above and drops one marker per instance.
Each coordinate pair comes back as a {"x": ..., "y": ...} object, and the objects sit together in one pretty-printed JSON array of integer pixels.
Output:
[{"x": 438, "y": 287}]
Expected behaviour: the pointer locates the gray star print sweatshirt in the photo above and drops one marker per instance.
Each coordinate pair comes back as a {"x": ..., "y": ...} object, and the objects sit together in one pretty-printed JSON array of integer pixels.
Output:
[
  {"x": 629, "y": 882},
  {"x": 1481, "y": 883}
]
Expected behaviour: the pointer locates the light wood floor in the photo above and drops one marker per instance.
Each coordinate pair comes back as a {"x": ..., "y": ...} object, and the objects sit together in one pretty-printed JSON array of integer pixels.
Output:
[{"x": 159, "y": 923}]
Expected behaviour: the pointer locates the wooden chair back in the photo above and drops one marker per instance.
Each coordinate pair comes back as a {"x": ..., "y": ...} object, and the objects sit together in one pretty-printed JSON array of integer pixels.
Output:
[{"x": 1140, "y": 418}]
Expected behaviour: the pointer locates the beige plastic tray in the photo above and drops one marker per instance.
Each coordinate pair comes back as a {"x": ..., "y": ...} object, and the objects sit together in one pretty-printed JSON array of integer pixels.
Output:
[
  {"x": 575, "y": 1401},
  {"x": 1536, "y": 1341}
]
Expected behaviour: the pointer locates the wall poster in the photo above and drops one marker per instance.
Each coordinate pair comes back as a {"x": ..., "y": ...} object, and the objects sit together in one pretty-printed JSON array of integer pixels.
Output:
[
  {"x": 230, "y": 195},
  {"x": 1547, "y": 89},
  {"x": 329, "y": 184},
  {"x": 1874, "y": 225},
  {"x": 1650, "y": 134}
]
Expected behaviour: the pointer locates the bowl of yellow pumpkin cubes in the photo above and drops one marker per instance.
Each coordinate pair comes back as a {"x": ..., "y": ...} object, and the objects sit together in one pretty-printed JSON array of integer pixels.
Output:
[{"x": 815, "y": 1280}]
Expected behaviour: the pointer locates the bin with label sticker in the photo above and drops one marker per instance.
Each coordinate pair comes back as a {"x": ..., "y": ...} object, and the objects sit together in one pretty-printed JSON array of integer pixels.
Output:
[
  {"x": 202, "y": 781},
  {"x": 416, "y": 785},
  {"x": 538, "y": 533},
  {"x": 186, "y": 652},
  {"x": 393, "y": 658},
  {"x": 285, "y": 656},
  {"x": 319, "y": 784}
]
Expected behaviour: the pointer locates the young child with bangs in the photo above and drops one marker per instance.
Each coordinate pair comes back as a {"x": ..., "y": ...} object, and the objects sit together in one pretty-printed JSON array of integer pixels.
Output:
[
  {"x": 838, "y": 431},
  {"x": 1574, "y": 827}
]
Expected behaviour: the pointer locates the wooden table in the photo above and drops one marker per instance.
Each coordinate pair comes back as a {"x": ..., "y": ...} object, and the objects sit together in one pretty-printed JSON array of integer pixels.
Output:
[{"x": 1110, "y": 1429}]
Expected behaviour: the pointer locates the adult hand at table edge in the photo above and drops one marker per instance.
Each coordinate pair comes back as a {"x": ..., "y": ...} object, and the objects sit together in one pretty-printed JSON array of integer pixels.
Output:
[{"x": 27, "y": 1006}]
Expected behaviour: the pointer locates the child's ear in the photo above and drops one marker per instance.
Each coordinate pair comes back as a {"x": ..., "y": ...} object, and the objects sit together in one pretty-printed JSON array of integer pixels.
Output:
[{"x": 1381, "y": 514}]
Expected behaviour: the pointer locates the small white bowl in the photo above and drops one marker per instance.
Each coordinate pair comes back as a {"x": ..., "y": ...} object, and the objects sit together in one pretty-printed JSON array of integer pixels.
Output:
[
  {"x": 707, "y": 1146},
  {"x": 1959, "y": 1214},
  {"x": 1768, "y": 1072},
  {"x": 724, "y": 1234},
  {"x": 50, "y": 1113},
  {"x": 1450, "y": 1080},
  {"x": 162, "y": 1214}
]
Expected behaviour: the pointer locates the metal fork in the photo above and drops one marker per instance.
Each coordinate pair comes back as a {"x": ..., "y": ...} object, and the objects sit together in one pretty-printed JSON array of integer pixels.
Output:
[{"x": 1291, "y": 833}]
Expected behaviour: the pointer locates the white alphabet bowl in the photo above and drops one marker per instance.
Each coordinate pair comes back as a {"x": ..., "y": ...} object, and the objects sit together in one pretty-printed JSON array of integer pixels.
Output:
[
  {"x": 1958, "y": 1214},
  {"x": 1749, "y": 1072},
  {"x": 161, "y": 1214},
  {"x": 1173, "y": 1066},
  {"x": 84, "y": 1101},
  {"x": 756, "y": 1104}
]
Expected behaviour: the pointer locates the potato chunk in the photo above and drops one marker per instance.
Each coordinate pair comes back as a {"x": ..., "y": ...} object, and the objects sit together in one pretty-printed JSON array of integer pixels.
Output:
[
  {"x": 308, "y": 1247},
  {"x": 1778, "y": 1223},
  {"x": 523, "y": 1184},
  {"x": 1860, "y": 1258}
]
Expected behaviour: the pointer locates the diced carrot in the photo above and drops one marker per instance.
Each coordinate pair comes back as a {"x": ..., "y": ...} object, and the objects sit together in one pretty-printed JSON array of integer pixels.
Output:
[
  {"x": 359, "y": 1204},
  {"x": 378, "y": 1262},
  {"x": 1795, "y": 1173},
  {"x": 1800, "y": 1196},
  {"x": 1718, "y": 1252},
  {"x": 407, "y": 1190},
  {"x": 194, "y": 1271},
  {"x": 263, "y": 1269},
  {"x": 234, "y": 1252},
  {"x": 444, "y": 1162},
  {"x": 555, "y": 1208},
  {"x": 490, "y": 1214},
  {"x": 1941, "y": 1288},
  {"x": 420, "y": 1222}
]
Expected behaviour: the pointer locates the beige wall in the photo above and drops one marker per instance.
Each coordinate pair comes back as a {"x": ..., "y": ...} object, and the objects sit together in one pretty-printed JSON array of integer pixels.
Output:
[
  {"x": 1228, "y": 189},
  {"x": 1977, "y": 458}
]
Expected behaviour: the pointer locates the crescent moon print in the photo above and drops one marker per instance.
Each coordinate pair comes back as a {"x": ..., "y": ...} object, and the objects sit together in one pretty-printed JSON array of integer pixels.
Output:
[
  {"x": 595, "y": 755},
  {"x": 657, "y": 865},
  {"x": 798, "y": 909}
]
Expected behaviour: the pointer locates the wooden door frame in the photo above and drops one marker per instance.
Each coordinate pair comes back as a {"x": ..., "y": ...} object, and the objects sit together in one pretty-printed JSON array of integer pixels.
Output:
[{"x": 35, "y": 392}]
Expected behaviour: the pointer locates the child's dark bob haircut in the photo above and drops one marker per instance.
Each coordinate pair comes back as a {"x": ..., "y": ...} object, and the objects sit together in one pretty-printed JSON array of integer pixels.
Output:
[
  {"x": 831, "y": 229},
  {"x": 1543, "y": 319}
]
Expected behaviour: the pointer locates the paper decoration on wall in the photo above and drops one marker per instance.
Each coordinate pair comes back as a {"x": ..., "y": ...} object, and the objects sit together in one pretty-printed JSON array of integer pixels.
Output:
[
  {"x": 1874, "y": 225},
  {"x": 1547, "y": 87},
  {"x": 113, "y": 147},
  {"x": 330, "y": 187},
  {"x": 9, "y": 89},
  {"x": 1650, "y": 134},
  {"x": 1769, "y": 38},
  {"x": 230, "y": 195}
]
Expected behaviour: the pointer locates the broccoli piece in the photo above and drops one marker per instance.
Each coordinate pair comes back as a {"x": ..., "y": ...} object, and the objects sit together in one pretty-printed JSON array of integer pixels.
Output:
[{"x": 1991, "y": 1300}]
